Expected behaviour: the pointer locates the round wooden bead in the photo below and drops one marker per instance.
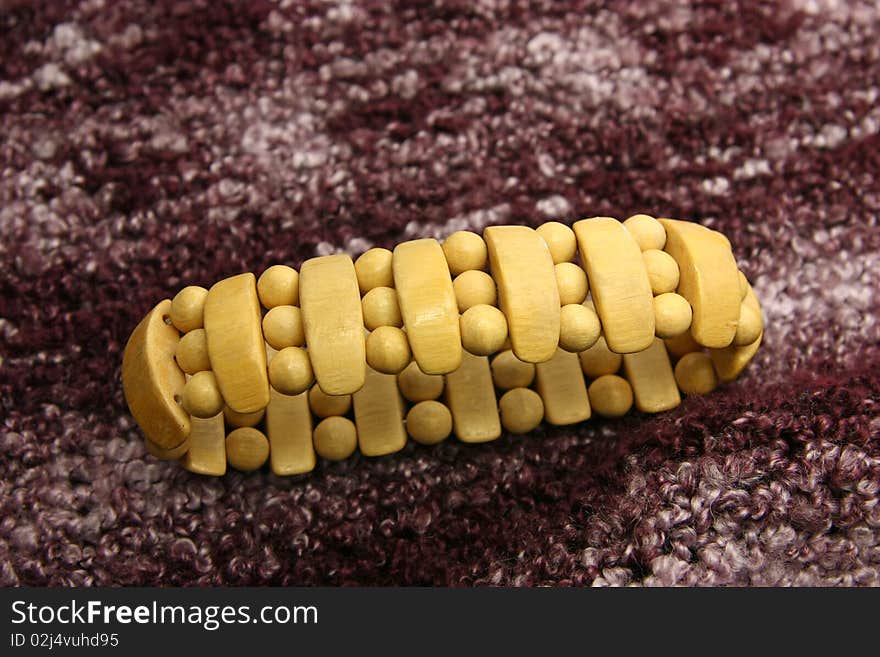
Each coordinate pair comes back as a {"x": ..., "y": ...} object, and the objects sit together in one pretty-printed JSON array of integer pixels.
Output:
[
  {"x": 187, "y": 308},
  {"x": 417, "y": 386},
  {"x": 335, "y": 438},
  {"x": 429, "y": 422},
  {"x": 579, "y": 327},
  {"x": 464, "y": 250},
  {"x": 290, "y": 371},
  {"x": 749, "y": 327},
  {"x": 682, "y": 344},
  {"x": 201, "y": 396},
  {"x": 695, "y": 374},
  {"x": 192, "y": 352},
  {"x": 236, "y": 419},
  {"x": 672, "y": 315},
  {"x": 483, "y": 330},
  {"x": 381, "y": 308},
  {"x": 278, "y": 286},
  {"x": 521, "y": 410},
  {"x": 247, "y": 449},
  {"x": 743, "y": 285},
  {"x": 509, "y": 372},
  {"x": 283, "y": 327},
  {"x": 610, "y": 395},
  {"x": 373, "y": 269},
  {"x": 472, "y": 288},
  {"x": 647, "y": 231},
  {"x": 324, "y": 405},
  {"x": 599, "y": 360},
  {"x": 560, "y": 240},
  {"x": 662, "y": 270},
  {"x": 388, "y": 350},
  {"x": 572, "y": 283}
]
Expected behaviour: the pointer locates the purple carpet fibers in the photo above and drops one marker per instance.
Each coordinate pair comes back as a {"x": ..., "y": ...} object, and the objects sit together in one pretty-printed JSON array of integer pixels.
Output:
[{"x": 149, "y": 145}]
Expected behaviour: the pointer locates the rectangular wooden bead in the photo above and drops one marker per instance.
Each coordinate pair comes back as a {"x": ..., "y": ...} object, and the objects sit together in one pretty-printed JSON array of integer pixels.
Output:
[
  {"x": 427, "y": 303},
  {"x": 470, "y": 395},
  {"x": 207, "y": 447},
  {"x": 650, "y": 374},
  {"x": 560, "y": 382},
  {"x": 378, "y": 415},
  {"x": 333, "y": 319},
  {"x": 235, "y": 343},
  {"x": 289, "y": 429},
  {"x": 731, "y": 360}
]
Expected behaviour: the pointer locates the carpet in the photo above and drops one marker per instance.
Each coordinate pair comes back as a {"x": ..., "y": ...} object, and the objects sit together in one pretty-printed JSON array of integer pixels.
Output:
[{"x": 150, "y": 145}]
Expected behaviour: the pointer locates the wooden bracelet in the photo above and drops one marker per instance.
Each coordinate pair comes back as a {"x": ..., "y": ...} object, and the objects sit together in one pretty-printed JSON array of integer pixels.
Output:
[{"x": 510, "y": 329}]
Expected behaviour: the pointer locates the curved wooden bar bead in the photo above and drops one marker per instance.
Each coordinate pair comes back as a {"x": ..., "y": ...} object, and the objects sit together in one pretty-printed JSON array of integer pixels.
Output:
[
  {"x": 730, "y": 361},
  {"x": 650, "y": 374},
  {"x": 378, "y": 415},
  {"x": 289, "y": 429},
  {"x": 561, "y": 385},
  {"x": 207, "y": 447},
  {"x": 470, "y": 396},
  {"x": 330, "y": 301}
]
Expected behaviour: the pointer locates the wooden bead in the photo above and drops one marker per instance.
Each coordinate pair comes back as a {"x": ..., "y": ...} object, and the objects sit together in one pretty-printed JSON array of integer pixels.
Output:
[
  {"x": 561, "y": 386},
  {"x": 472, "y": 288},
  {"x": 464, "y": 250},
  {"x": 289, "y": 429},
  {"x": 237, "y": 419},
  {"x": 521, "y": 410},
  {"x": 187, "y": 308},
  {"x": 647, "y": 231},
  {"x": 278, "y": 286},
  {"x": 429, "y": 422},
  {"x": 247, "y": 449},
  {"x": 743, "y": 285},
  {"x": 290, "y": 371},
  {"x": 749, "y": 327},
  {"x": 471, "y": 398},
  {"x": 649, "y": 372},
  {"x": 672, "y": 315},
  {"x": 599, "y": 360},
  {"x": 373, "y": 269},
  {"x": 560, "y": 240},
  {"x": 283, "y": 327},
  {"x": 572, "y": 283},
  {"x": 611, "y": 395},
  {"x": 201, "y": 396},
  {"x": 388, "y": 350},
  {"x": 192, "y": 352},
  {"x": 662, "y": 271},
  {"x": 417, "y": 386},
  {"x": 381, "y": 308},
  {"x": 695, "y": 374},
  {"x": 324, "y": 405},
  {"x": 579, "y": 327},
  {"x": 207, "y": 447},
  {"x": 483, "y": 330},
  {"x": 335, "y": 438},
  {"x": 509, "y": 372},
  {"x": 682, "y": 344},
  {"x": 378, "y": 415}
]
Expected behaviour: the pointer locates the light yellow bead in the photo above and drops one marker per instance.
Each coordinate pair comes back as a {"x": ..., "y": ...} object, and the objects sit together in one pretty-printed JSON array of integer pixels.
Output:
[
  {"x": 572, "y": 283},
  {"x": 381, "y": 308},
  {"x": 464, "y": 250},
  {"x": 429, "y": 422},
  {"x": 472, "y": 288},
  {"x": 290, "y": 371},
  {"x": 373, "y": 269},
  {"x": 483, "y": 330},
  {"x": 647, "y": 231},
  {"x": 247, "y": 449},
  {"x": 521, "y": 410},
  {"x": 749, "y": 327},
  {"x": 599, "y": 360},
  {"x": 187, "y": 308},
  {"x": 324, "y": 405},
  {"x": 417, "y": 386},
  {"x": 610, "y": 395},
  {"x": 579, "y": 328},
  {"x": 335, "y": 438},
  {"x": 509, "y": 372},
  {"x": 201, "y": 396},
  {"x": 695, "y": 375},
  {"x": 682, "y": 344},
  {"x": 236, "y": 419},
  {"x": 560, "y": 240},
  {"x": 743, "y": 285},
  {"x": 662, "y": 271},
  {"x": 388, "y": 350},
  {"x": 283, "y": 327},
  {"x": 278, "y": 286},
  {"x": 192, "y": 352},
  {"x": 672, "y": 315}
]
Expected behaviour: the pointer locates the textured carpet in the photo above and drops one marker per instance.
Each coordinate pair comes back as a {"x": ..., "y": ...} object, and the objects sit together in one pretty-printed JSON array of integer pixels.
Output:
[{"x": 149, "y": 145}]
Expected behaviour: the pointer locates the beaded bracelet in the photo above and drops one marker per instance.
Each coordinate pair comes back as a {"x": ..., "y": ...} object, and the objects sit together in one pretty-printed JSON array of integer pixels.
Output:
[{"x": 346, "y": 355}]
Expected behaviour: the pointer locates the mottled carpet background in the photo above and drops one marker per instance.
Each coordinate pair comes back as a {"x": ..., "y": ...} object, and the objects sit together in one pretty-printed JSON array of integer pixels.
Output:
[{"x": 149, "y": 145}]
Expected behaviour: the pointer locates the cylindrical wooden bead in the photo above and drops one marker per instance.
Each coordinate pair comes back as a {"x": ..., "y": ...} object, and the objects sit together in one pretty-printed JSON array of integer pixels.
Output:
[
  {"x": 483, "y": 330},
  {"x": 417, "y": 386},
  {"x": 192, "y": 352},
  {"x": 610, "y": 396},
  {"x": 201, "y": 396},
  {"x": 381, "y": 308},
  {"x": 290, "y": 371},
  {"x": 247, "y": 449},
  {"x": 572, "y": 283},
  {"x": 599, "y": 359},
  {"x": 662, "y": 271},
  {"x": 429, "y": 422},
  {"x": 335, "y": 438},
  {"x": 672, "y": 315},
  {"x": 509, "y": 372},
  {"x": 283, "y": 327},
  {"x": 695, "y": 374},
  {"x": 464, "y": 250},
  {"x": 521, "y": 410},
  {"x": 647, "y": 231},
  {"x": 579, "y": 327},
  {"x": 560, "y": 240},
  {"x": 324, "y": 405},
  {"x": 373, "y": 269},
  {"x": 388, "y": 350},
  {"x": 187, "y": 308},
  {"x": 474, "y": 287},
  {"x": 278, "y": 286}
]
